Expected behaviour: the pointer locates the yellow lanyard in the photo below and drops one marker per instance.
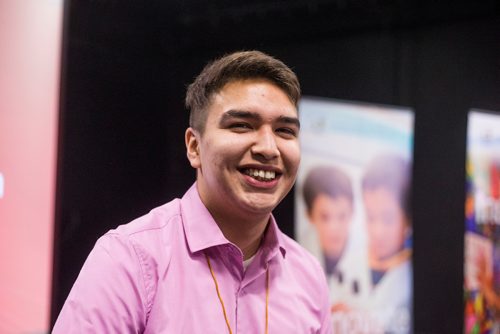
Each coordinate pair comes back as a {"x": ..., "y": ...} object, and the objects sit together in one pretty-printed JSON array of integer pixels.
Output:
[{"x": 222, "y": 302}]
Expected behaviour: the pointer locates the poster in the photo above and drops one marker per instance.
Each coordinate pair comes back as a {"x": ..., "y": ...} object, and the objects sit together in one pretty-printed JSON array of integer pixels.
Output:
[
  {"x": 482, "y": 220},
  {"x": 353, "y": 197}
]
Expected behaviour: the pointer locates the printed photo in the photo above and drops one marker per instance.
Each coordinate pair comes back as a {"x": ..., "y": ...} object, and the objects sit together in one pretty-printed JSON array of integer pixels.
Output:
[
  {"x": 482, "y": 224},
  {"x": 353, "y": 210}
]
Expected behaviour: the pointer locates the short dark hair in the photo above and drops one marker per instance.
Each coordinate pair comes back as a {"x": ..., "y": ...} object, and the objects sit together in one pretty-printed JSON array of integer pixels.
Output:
[
  {"x": 328, "y": 180},
  {"x": 236, "y": 66},
  {"x": 391, "y": 172}
]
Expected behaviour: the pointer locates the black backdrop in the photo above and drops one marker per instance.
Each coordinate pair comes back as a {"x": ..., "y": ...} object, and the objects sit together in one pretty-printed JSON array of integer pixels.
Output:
[{"x": 126, "y": 65}]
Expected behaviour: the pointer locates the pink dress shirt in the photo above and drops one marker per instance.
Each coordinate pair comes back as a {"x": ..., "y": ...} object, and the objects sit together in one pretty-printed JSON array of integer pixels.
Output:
[{"x": 151, "y": 276}]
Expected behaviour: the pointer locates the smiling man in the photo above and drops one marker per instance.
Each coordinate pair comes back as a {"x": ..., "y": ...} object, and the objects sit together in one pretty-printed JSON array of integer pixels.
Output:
[{"x": 214, "y": 261}]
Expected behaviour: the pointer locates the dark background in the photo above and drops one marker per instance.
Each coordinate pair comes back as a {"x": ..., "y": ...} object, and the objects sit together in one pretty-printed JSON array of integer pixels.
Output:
[{"x": 126, "y": 65}]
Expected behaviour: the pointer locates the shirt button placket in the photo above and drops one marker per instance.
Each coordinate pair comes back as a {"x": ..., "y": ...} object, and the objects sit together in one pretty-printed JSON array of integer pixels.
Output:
[{"x": 237, "y": 299}]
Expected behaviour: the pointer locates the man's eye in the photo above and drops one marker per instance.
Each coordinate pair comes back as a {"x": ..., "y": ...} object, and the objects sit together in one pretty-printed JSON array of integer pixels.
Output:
[
  {"x": 287, "y": 132},
  {"x": 240, "y": 126}
]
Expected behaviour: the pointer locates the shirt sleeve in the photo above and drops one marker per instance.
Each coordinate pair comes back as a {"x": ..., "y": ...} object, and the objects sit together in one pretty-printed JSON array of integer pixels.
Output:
[{"x": 109, "y": 295}]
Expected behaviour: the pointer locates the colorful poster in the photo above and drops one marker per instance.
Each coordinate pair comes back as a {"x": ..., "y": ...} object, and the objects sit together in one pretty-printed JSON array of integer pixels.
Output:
[
  {"x": 482, "y": 220},
  {"x": 353, "y": 197}
]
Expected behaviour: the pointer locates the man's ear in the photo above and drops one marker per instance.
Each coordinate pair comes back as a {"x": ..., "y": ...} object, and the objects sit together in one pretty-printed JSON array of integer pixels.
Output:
[{"x": 193, "y": 147}]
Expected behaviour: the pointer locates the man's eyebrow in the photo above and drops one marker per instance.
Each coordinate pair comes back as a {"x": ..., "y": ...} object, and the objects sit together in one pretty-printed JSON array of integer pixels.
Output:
[
  {"x": 239, "y": 114},
  {"x": 291, "y": 120}
]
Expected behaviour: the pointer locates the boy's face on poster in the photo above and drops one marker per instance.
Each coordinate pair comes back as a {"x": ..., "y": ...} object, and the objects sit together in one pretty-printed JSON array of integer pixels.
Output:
[
  {"x": 386, "y": 222},
  {"x": 331, "y": 216}
]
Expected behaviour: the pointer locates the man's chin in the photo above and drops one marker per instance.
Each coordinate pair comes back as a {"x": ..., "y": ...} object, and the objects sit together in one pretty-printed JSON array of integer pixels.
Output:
[{"x": 260, "y": 207}]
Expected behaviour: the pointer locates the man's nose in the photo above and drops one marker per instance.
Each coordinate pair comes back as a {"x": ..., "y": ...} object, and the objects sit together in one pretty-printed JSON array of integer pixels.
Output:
[{"x": 265, "y": 144}]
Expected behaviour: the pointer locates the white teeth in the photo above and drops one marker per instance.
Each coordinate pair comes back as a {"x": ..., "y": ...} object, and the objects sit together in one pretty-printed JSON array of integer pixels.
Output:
[{"x": 261, "y": 174}]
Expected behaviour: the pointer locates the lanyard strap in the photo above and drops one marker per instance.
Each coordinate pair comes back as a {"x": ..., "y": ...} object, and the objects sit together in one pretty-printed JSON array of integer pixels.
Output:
[{"x": 222, "y": 301}]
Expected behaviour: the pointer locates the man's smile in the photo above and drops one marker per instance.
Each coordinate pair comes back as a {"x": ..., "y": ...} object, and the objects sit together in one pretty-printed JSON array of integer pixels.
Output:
[{"x": 260, "y": 174}]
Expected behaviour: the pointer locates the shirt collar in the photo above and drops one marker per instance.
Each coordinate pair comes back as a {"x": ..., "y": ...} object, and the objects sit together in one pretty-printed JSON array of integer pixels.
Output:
[
  {"x": 202, "y": 231},
  {"x": 200, "y": 228},
  {"x": 273, "y": 240}
]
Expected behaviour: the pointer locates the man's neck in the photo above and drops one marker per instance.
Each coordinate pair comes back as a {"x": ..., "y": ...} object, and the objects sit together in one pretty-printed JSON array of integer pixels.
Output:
[
  {"x": 245, "y": 229},
  {"x": 247, "y": 235}
]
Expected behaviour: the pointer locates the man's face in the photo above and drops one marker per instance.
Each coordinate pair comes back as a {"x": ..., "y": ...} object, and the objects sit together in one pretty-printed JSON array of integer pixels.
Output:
[
  {"x": 386, "y": 223},
  {"x": 331, "y": 217},
  {"x": 248, "y": 154}
]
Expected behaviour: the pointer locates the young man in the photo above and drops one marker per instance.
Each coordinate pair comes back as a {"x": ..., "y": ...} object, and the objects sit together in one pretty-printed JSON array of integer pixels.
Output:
[{"x": 215, "y": 260}]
